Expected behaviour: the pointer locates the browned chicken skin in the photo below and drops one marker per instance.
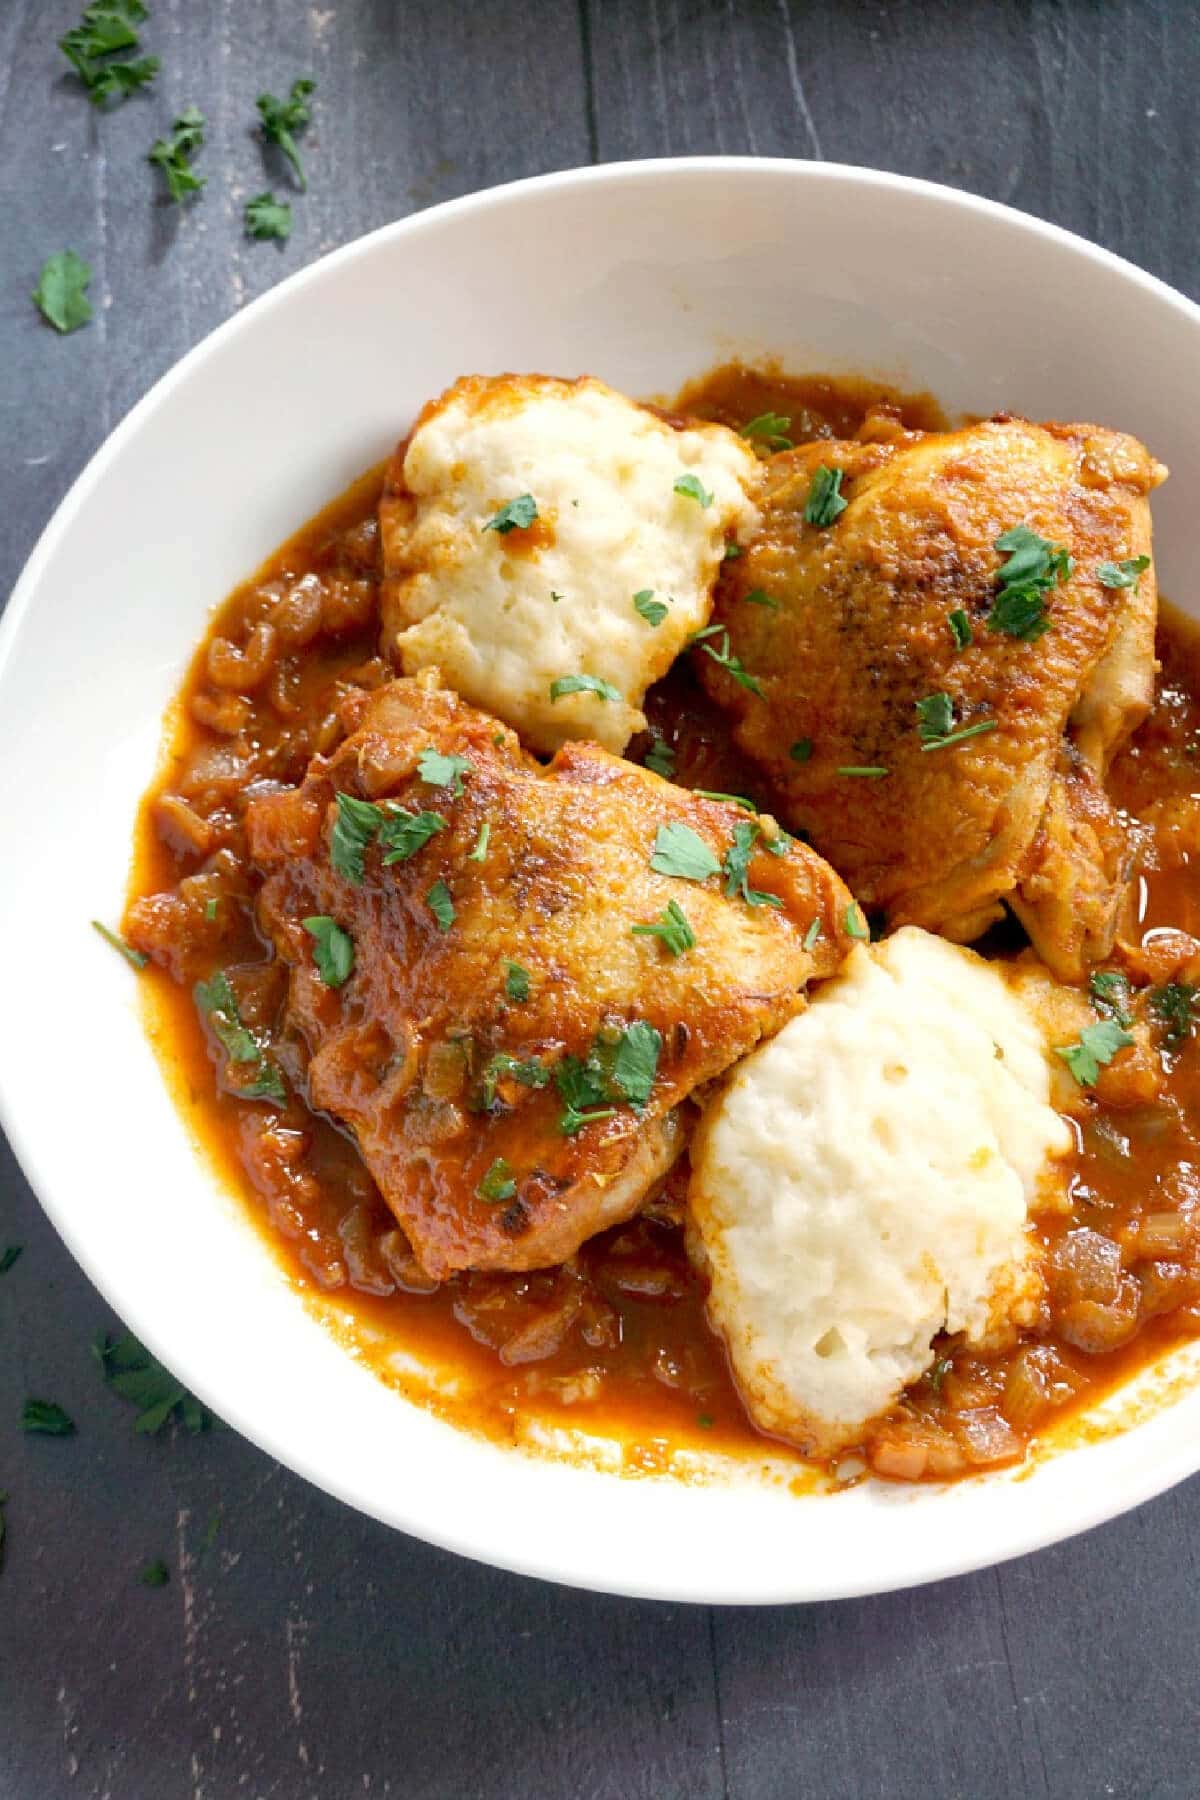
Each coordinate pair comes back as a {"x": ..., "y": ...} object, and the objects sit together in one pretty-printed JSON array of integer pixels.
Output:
[
  {"x": 404, "y": 1052},
  {"x": 860, "y": 632}
]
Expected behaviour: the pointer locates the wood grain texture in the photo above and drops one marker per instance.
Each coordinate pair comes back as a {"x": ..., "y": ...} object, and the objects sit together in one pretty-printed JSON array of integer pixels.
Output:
[{"x": 307, "y": 1651}]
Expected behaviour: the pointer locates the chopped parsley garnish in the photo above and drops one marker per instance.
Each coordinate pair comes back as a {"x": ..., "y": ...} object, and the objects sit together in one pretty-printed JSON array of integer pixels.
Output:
[
  {"x": 935, "y": 715},
  {"x": 174, "y": 155},
  {"x": 678, "y": 850},
  {"x": 530, "y": 1072},
  {"x": 960, "y": 628},
  {"x": 583, "y": 684},
  {"x": 210, "y": 909},
  {"x": 402, "y": 834},
  {"x": 441, "y": 905},
  {"x": 479, "y": 853},
  {"x": 732, "y": 552},
  {"x": 265, "y": 217},
  {"x": 726, "y": 799},
  {"x": 516, "y": 982},
  {"x": 1172, "y": 1006},
  {"x": 8, "y": 1257},
  {"x": 281, "y": 119},
  {"x": 218, "y": 1002},
  {"x": 133, "y": 957},
  {"x": 621, "y": 1067},
  {"x": 92, "y": 47},
  {"x": 333, "y": 949},
  {"x": 871, "y": 771},
  {"x": 801, "y": 751},
  {"x": 515, "y": 515},
  {"x": 437, "y": 770},
  {"x": 980, "y": 727},
  {"x": 61, "y": 292},
  {"x": 1034, "y": 565},
  {"x": 155, "y": 1574},
  {"x": 673, "y": 930},
  {"x": 355, "y": 827},
  {"x": 731, "y": 664},
  {"x": 855, "y": 924},
  {"x": 812, "y": 934},
  {"x": 497, "y": 1184},
  {"x": 635, "y": 1063},
  {"x": 760, "y": 597},
  {"x": 692, "y": 488},
  {"x": 1124, "y": 574},
  {"x": 652, "y": 610},
  {"x": 1096, "y": 1046},
  {"x": 737, "y": 863},
  {"x": 556, "y": 597},
  {"x": 825, "y": 502},
  {"x": 660, "y": 758},
  {"x": 46, "y": 1417},
  {"x": 1109, "y": 990},
  {"x": 140, "y": 1378},
  {"x": 769, "y": 429}
]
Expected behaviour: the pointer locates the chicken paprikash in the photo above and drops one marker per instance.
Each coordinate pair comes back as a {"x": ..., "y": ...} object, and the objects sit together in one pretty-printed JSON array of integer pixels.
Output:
[{"x": 680, "y": 918}]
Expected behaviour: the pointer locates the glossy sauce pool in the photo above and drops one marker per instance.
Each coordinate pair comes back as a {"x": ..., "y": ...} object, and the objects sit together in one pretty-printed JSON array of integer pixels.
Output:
[{"x": 617, "y": 1345}]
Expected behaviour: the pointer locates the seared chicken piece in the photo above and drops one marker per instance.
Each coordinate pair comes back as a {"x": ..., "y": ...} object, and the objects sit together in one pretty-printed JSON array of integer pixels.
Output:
[
  {"x": 509, "y": 1054},
  {"x": 894, "y": 603},
  {"x": 551, "y": 545}
]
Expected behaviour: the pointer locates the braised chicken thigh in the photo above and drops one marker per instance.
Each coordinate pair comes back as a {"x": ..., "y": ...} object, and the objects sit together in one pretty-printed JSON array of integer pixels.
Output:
[
  {"x": 933, "y": 646},
  {"x": 534, "y": 967}
]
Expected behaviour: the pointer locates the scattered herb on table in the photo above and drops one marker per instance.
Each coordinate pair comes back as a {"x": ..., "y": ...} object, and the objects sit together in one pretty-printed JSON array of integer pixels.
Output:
[
  {"x": 174, "y": 155},
  {"x": 140, "y": 1378},
  {"x": 155, "y": 1574},
  {"x": 61, "y": 292},
  {"x": 47, "y": 1418},
  {"x": 265, "y": 217},
  {"x": 8, "y": 1257},
  {"x": 281, "y": 119},
  {"x": 93, "y": 50}
]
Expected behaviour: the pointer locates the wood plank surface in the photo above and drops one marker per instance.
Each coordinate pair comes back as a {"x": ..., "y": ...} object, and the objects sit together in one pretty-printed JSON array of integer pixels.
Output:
[{"x": 306, "y": 1651}]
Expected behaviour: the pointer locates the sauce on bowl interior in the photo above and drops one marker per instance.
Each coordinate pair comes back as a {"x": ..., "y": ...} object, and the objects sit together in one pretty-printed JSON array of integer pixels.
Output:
[{"x": 617, "y": 1344}]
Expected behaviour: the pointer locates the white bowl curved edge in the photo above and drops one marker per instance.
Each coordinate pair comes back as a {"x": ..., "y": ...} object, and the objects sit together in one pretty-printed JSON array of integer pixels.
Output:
[{"x": 645, "y": 274}]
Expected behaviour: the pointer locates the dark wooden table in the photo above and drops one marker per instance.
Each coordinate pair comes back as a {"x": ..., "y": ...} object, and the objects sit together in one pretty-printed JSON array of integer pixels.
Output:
[{"x": 308, "y": 1651}]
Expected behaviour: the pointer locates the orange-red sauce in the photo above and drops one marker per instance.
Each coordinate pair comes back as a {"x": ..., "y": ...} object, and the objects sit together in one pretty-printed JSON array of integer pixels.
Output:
[{"x": 637, "y": 1360}]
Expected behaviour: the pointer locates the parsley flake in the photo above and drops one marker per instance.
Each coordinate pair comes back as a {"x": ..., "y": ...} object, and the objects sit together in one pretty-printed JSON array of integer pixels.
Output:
[
  {"x": 61, "y": 292},
  {"x": 980, "y": 727},
  {"x": 437, "y": 770},
  {"x": 731, "y": 664},
  {"x": 935, "y": 715},
  {"x": 736, "y": 866},
  {"x": 870, "y": 771},
  {"x": 515, "y": 515},
  {"x": 855, "y": 924},
  {"x": 356, "y": 826},
  {"x": 133, "y": 957},
  {"x": 1032, "y": 568},
  {"x": 692, "y": 488},
  {"x": 652, "y": 610},
  {"x": 155, "y": 1574},
  {"x": 530, "y": 1072},
  {"x": 583, "y": 684},
  {"x": 769, "y": 429},
  {"x": 660, "y": 758},
  {"x": 333, "y": 949},
  {"x": 1124, "y": 574},
  {"x": 678, "y": 850},
  {"x": 174, "y": 155},
  {"x": 635, "y": 1063},
  {"x": 91, "y": 49},
  {"x": 265, "y": 217},
  {"x": 140, "y": 1378},
  {"x": 218, "y": 1004},
  {"x": 8, "y": 1257},
  {"x": 497, "y": 1184},
  {"x": 516, "y": 982},
  {"x": 402, "y": 834},
  {"x": 47, "y": 1418},
  {"x": 672, "y": 929},
  {"x": 760, "y": 597},
  {"x": 281, "y": 119},
  {"x": 824, "y": 503},
  {"x": 960, "y": 628},
  {"x": 1172, "y": 1006},
  {"x": 1109, "y": 990},
  {"x": 479, "y": 853},
  {"x": 1096, "y": 1046},
  {"x": 812, "y": 934},
  {"x": 440, "y": 904},
  {"x": 801, "y": 751}
]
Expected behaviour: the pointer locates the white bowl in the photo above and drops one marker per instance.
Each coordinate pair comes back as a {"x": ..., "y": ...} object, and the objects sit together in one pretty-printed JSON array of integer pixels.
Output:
[{"x": 645, "y": 274}]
